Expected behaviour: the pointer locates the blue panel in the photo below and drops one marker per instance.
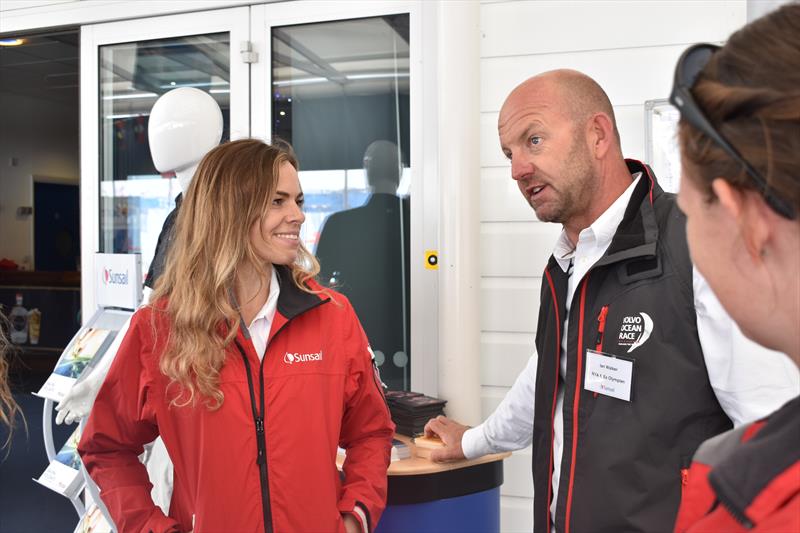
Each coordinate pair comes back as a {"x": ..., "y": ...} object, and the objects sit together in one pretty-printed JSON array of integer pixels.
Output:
[{"x": 479, "y": 512}]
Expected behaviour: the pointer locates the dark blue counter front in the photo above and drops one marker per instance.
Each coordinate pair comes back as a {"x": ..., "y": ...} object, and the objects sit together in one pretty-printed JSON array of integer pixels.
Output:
[{"x": 462, "y": 500}]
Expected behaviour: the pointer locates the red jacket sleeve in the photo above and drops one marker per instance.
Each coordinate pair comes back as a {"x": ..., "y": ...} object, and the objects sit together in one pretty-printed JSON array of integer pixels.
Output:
[
  {"x": 120, "y": 424},
  {"x": 367, "y": 430}
]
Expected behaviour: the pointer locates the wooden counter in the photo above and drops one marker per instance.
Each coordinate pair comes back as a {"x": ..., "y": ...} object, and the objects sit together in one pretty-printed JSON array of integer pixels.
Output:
[{"x": 415, "y": 466}]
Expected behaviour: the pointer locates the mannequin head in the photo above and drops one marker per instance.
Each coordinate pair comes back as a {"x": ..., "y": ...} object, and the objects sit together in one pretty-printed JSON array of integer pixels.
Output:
[
  {"x": 185, "y": 123},
  {"x": 382, "y": 165}
]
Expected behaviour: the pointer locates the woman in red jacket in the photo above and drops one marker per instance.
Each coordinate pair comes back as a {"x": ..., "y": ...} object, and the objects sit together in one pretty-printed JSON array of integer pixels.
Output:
[
  {"x": 250, "y": 371},
  {"x": 740, "y": 146}
]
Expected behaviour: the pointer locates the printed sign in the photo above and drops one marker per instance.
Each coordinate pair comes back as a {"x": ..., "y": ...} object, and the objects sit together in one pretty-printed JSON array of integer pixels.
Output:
[{"x": 118, "y": 280}]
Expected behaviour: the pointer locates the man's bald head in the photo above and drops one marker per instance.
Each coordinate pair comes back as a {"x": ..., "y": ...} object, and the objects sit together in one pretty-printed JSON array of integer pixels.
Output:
[{"x": 571, "y": 93}]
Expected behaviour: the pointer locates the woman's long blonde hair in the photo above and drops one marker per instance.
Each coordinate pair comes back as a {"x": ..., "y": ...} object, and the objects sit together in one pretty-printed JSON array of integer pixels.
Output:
[
  {"x": 8, "y": 407},
  {"x": 230, "y": 191}
]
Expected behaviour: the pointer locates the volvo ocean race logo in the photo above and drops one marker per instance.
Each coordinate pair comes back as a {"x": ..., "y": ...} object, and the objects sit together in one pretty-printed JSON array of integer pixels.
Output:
[
  {"x": 114, "y": 278},
  {"x": 292, "y": 358},
  {"x": 635, "y": 330}
]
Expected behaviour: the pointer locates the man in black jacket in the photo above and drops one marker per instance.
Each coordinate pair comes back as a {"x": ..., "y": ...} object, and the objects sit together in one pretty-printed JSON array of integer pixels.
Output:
[{"x": 634, "y": 351}]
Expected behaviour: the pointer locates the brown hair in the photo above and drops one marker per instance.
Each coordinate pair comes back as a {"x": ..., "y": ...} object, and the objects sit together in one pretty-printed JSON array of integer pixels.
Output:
[
  {"x": 750, "y": 92},
  {"x": 230, "y": 191},
  {"x": 8, "y": 407}
]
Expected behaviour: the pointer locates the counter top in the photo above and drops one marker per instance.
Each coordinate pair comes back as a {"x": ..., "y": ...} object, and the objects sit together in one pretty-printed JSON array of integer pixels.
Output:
[{"x": 414, "y": 466}]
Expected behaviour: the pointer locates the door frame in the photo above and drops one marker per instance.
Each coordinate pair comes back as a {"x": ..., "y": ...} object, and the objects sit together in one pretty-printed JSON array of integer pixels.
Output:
[
  {"x": 424, "y": 226},
  {"x": 235, "y": 20}
]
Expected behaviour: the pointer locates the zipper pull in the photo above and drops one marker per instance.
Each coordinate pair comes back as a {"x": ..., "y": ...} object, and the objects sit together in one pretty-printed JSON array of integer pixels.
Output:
[
  {"x": 260, "y": 425},
  {"x": 601, "y": 327},
  {"x": 684, "y": 476}
]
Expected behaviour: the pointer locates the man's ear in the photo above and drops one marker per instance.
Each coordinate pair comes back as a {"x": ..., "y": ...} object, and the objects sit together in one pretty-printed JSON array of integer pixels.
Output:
[
  {"x": 601, "y": 134},
  {"x": 746, "y": 210}
]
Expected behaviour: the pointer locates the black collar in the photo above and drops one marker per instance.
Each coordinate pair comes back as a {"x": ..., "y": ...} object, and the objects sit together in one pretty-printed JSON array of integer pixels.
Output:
[
  {"x": 293, "y": 301},
  {"x": 637, "y": 234}
]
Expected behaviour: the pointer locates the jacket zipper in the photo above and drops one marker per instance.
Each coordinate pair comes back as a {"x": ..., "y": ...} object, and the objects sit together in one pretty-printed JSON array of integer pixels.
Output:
[
  {"x": 258, "y": 420},
  {"x": 601, "y": 332},
  {"x": 601, "y": 328},
  {"x": 735, "y": 513},
  {"x": 555, "y": 398},
  {"x": 577, "y": 401},
  {"x": 261, "y": 441}
]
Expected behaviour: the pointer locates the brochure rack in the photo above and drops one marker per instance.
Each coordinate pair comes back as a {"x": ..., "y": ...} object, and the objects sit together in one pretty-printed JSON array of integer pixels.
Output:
[{"x": 118, "y": 289}]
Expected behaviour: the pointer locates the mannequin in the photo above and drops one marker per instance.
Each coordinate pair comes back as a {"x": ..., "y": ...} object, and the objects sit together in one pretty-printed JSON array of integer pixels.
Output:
[
  {"x": 185, "y": 123},
  {"x": 373, "y": 269}
]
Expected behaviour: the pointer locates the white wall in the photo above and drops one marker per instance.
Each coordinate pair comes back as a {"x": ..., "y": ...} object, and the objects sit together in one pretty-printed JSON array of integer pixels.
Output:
[
  {"x": 42, "y": 137},
  {"x": 630, "y": 48}
]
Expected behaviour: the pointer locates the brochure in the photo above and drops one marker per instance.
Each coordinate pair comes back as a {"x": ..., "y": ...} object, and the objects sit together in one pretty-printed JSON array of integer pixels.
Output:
[
  {"x": 84, "y": 351},
  {"x": 63, "y": 474}
]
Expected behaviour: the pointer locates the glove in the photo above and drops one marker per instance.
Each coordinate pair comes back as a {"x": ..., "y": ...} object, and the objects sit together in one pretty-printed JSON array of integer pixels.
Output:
[{"x": 80, "y": 398}]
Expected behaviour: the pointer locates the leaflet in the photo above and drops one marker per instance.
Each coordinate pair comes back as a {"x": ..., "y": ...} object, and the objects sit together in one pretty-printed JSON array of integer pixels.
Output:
[
  {"x": 84, "y": 351},
  {"x": 63, "y": 474}
]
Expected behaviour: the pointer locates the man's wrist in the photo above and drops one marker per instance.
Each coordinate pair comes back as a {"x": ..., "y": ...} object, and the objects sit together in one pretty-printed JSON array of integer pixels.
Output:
[{"x": 474, "y": 443}]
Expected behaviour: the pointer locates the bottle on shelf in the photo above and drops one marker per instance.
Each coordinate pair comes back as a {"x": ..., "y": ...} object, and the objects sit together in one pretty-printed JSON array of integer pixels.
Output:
[
  {"x": 19, "y": 322},
  {"x": 34, "y": 325}
]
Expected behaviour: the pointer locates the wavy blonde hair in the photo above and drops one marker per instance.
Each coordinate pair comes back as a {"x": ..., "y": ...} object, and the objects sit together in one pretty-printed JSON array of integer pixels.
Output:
[
  {"x": 8, "y": 407},
  {"x": 230, "y": 191}
]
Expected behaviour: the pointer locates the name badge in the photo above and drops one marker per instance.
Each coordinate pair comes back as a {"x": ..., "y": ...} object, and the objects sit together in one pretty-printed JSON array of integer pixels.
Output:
[{"x": 611, "y": 376}]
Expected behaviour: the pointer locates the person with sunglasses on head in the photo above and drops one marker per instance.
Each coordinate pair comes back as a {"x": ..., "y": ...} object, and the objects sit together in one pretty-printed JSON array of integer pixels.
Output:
[
  {"x": 739, "y": 137},
  {"x": 250, "y": 371},
  {"x": 634, "y": 352}
]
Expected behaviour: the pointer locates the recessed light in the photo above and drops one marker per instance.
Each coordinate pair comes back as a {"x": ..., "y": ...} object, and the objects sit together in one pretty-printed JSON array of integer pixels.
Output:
[{"x": 11, "y": 42}]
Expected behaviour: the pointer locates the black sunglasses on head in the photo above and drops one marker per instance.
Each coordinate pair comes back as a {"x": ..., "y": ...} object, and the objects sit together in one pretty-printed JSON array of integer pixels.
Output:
[{"x": 689, "y": 66}]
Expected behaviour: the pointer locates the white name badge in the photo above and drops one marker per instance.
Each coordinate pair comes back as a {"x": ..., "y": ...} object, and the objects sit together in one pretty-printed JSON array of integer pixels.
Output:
[{"x": 608, "y": 375}]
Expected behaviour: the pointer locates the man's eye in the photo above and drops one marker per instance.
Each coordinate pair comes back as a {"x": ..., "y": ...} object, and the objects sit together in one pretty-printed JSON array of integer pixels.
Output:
[{"x": 535, "y": 140}]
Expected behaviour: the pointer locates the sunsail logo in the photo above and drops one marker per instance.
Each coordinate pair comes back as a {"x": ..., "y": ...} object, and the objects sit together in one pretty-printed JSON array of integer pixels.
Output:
[
  {"x": 292, "y": 358},
  {"x": 114, "y": 278}
]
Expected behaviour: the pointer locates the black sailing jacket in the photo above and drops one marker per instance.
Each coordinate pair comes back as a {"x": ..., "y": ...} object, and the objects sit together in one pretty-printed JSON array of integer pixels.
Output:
[{"x": 623, "y": 461}]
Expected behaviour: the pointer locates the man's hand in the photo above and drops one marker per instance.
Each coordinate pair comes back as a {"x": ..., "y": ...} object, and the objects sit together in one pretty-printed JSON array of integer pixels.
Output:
[
  {"x": 351, "y": 524},
  {"x": 450, "y": 434}
]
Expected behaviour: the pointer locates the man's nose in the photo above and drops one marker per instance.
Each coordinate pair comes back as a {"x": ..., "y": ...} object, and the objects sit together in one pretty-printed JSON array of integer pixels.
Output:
[{"x": 521, "y": 168}]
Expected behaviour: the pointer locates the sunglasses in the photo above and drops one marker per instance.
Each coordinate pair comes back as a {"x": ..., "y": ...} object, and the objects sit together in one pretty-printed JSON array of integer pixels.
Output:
[{"x": 692, "y": 61}]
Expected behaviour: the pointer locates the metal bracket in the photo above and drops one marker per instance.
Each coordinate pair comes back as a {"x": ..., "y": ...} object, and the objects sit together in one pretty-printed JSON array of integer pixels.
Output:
[{"x": 247, "y": 53}]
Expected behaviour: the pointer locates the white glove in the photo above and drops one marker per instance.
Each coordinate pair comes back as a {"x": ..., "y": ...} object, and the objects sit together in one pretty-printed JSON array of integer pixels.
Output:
[{"x": 80, "y": 398}]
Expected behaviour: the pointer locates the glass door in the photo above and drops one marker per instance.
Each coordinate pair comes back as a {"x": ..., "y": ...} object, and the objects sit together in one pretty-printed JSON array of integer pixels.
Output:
[
  {"x": 127, "y": 66},
  {"x": 339, "y": 85}
]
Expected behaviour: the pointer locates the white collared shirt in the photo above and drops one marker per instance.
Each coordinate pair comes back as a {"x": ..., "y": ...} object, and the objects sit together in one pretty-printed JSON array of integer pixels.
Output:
[
  {"x": 748, "y": 380},
  {"x": 262, "y": 323}
]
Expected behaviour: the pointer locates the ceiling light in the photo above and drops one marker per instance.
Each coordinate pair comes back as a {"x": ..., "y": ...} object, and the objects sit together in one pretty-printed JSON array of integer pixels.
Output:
[
  {"x": 11, "y": 42},
  {"x": 130, "y": 96},
  {"x": 377, "y": 76}
]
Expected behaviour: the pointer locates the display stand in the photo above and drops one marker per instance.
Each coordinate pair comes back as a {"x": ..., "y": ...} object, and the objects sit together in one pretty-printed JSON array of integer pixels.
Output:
[
  {"x": 441, "y": 497},
  {"x": 118, "y": 290}
]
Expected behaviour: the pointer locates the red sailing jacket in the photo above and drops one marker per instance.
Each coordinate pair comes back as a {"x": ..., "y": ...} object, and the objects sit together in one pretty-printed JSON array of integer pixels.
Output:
[
  {"x": 265, "y": 460},
  {"x": 747, "y": 479}
]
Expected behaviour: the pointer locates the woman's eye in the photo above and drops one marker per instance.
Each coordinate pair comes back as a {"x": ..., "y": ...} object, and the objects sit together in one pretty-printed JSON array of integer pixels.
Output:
[
  {"x": 277, "y": 201},
  {"x": 535, "y": 140},
  {"x": 301, "y": 202}
]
